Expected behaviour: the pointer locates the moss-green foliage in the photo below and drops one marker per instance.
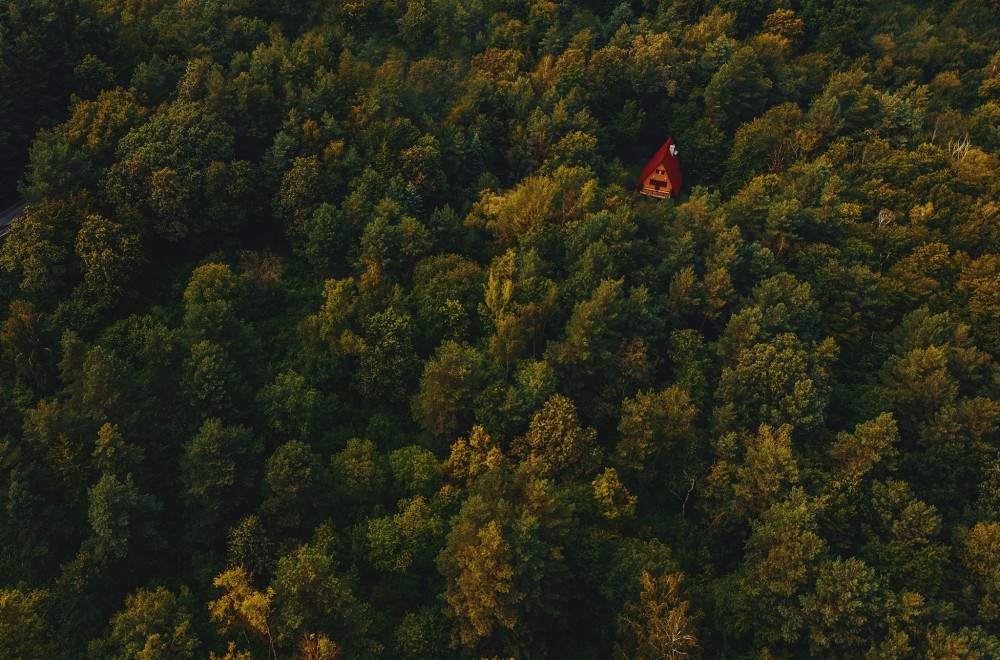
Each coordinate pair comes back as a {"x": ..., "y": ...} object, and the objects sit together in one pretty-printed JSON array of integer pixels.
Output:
[{"x": 336, "y": 330}]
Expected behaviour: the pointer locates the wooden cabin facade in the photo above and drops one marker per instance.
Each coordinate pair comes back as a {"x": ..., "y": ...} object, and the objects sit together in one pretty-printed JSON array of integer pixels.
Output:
[{"x": 661, "y": 177}]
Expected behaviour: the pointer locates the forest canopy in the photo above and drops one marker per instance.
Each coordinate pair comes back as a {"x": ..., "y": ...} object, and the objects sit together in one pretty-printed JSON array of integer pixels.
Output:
[{"x": 338, "y": 330}]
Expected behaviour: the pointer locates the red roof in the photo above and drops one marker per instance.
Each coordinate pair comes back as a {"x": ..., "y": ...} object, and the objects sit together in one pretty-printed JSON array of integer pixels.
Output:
[{"x": 670, "y": 163}]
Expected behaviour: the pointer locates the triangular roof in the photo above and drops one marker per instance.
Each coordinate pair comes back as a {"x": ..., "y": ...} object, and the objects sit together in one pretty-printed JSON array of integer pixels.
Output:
[{"x": 670, "y": 163}]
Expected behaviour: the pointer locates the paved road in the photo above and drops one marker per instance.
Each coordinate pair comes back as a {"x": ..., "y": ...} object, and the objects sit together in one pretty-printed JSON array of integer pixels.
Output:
[{"x": 10, "y": 215}]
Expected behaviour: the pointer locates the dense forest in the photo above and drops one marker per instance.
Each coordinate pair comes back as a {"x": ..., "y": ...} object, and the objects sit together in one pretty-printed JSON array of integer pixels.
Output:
[{"x": 337, "y": 329}]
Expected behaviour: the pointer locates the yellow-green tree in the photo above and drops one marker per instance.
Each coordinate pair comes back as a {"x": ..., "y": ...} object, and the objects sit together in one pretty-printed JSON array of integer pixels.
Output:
[{"x": 660, "y": 623}]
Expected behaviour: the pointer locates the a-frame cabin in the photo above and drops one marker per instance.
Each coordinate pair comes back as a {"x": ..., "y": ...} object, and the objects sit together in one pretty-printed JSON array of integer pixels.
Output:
[{"x": 662, "y": 175}]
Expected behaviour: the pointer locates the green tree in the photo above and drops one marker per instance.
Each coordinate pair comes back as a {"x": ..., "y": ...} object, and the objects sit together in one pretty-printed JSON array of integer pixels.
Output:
[
  {"x": 411, "y": 538},
  {"x": 120, "y": 516},
  {"x": 981, "y": 559},
  {"x": 393, "y": 241},
  {"x": 217, "y": 471},
  {"x": 154, "y": 624},
  {"x": 359, "y": 471},
  {"x": 22, "y": 624},
  {"x": 443, "y": 402},
  {"x": 654, "y": 425},
  {"x": 835, "y": 24},
  {"x": 329, "y": 238},
  {"x": 161, "y": 165},
  {"x": 518, "y": 303},
  {"x": 859, "y": 459},
  {"x": 309, "y": 595},
  {"x": 557, "y": 444},
  {"x": 112, "y": 454},
  {"x": 906, "y": 547},
  {"x": 768, "y": 469},
  {"x": 212, "y": 305},
  {"x": 738, "y": 91},
  {"x": 292, "y": 407},
  {"x": 249, "y": 546},
  {"x": 212, "y": 383},
  {"x": 779, "y": 382},
  {"x": 70, "y": 156},
  {"x": 421, "y": 634},
  {"x": 335, "y": 325},
  {"x": 779, "y": 567},
  {"x": 294, "y": 479},
  {"x": 770, "y": 143},
  {"x": 856, "y": 455},
  {"x": 415, "y": 470},
  {"x": 842, "y": 613},
  {"x": 302, "y": 188},
  {"x": 592, "y": 335},
  {"x": 38, "y": 246},
  {"x": 446, "y": 291},
  {"x": 754, "y": 471},
  {"x": 502, "y": 563},
  {"x": 28, "y": 345},
  {"x": 109, "y": 254},
  {"x": 387, "y": 366}
]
